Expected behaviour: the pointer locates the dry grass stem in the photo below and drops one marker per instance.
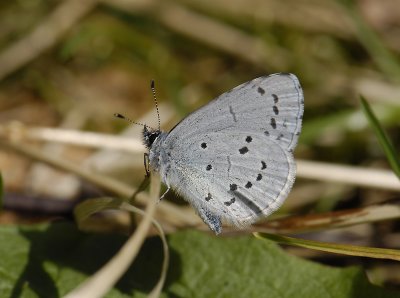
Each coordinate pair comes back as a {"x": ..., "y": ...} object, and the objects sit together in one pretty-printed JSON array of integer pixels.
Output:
[
  {"x": 166, "y": 209},
  {"x": 20, "y": 132},
  {"x": 331, "y": 220},
  {"x": 364, "y": 177}
]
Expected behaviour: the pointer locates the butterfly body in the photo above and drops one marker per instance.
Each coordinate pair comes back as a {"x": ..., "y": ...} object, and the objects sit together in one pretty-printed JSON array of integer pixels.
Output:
[{"x": 232, "y": 159}]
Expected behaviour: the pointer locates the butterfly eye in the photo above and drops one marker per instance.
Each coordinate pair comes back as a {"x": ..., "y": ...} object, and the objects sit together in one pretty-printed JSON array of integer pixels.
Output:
[{"x": 152, "y": 138}]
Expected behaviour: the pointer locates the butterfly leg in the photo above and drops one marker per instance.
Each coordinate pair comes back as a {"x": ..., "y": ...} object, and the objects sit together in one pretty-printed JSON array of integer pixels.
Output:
[
  {"x": 213, "y": 221},
  {"x": 146, "y": 164},
  {"x": 159, "y": 200}
]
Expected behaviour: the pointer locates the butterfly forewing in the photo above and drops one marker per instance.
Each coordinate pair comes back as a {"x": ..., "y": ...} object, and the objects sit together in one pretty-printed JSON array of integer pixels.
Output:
[{"x": 272, "y": 105}]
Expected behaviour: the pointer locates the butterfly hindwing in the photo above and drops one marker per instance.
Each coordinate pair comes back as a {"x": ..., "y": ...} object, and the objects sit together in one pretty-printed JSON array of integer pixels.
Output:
[{"x": 238, "y": 176}]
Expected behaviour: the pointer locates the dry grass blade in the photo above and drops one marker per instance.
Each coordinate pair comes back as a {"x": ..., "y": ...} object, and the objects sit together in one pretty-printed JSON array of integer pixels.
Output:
[
  {"x": 89, "y": 207},
  {"x": 100, "y": 283},
  {"x": 351, "y": 250},
  {"x": 157, "y": 289},
  {"x": 331, "y": 220}
]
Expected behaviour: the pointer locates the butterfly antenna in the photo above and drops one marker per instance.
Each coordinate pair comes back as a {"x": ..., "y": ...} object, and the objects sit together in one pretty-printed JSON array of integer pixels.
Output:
[
  {"x": 153, "y": 90},
  {"x": 128, "y": 119}
]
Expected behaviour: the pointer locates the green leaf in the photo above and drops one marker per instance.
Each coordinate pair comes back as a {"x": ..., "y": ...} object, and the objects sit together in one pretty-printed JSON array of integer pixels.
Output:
[
  {"x": 51, "y": 260},
  {"x": 383, "y": 139},
  {"x": 89, "y": 207}
]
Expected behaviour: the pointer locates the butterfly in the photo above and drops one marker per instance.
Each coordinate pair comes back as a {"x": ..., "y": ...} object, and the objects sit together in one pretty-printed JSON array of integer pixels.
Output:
[{"x": 232, "y": 159}]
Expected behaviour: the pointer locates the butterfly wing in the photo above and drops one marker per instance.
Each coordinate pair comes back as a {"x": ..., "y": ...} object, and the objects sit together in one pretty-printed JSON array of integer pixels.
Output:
[
  {"x": 272, "y": 105},
  {"x": 232, "y": 158},
  {"x": 238, "y": 176}
]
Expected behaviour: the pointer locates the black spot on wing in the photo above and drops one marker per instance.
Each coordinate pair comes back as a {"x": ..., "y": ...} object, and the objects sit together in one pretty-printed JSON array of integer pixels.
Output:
[
  {"x": 249, "y": 139},
  {"x": 259, "y": 177},
  {"x": 233, "y": 187},
  {"x": 276, "y": 98},
  {"x": 261, "y": 90},
  {"x": 228, "y": 203},
  {"x": 209, "y": 167},
  {"x": 208, "y": 197},
  {"x": 263, "y": 165},
  {"x": 273, "y": 123},
  {"x": 204, "y": 145},
  {"x": 243, "y": 150},
  {"x": 248, "y": 184}
]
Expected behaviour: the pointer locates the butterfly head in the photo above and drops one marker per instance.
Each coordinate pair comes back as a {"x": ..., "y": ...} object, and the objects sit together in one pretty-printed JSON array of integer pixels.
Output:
[{"x": 149, "y": 136}]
